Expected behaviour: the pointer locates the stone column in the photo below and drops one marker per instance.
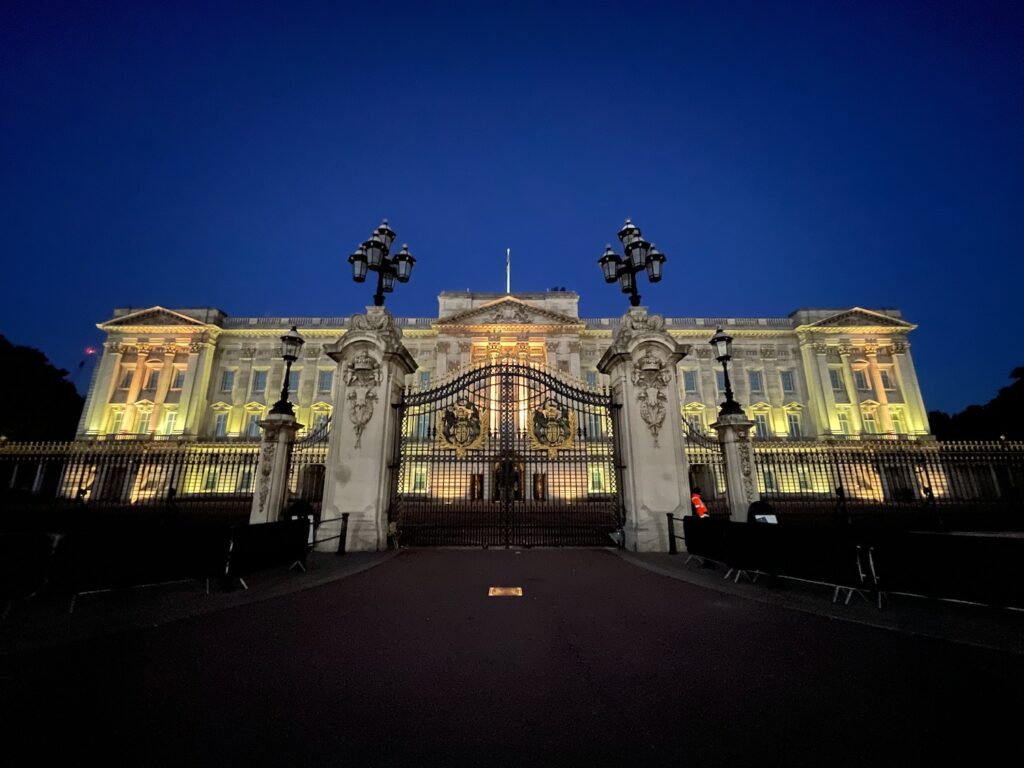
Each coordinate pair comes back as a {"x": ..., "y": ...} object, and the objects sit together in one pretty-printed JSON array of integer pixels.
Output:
[
  {"x": 876, "y": 381},
  {"x": 738, "y": 460},
  {"x": 372, "y": 366},
  {"x": 642, "y": 365},
  {"x": 851, "y": 389},
  {"x": 815, "y": 389},
  {"x": 831, "y": 415},
  {"x": 192, "y": 404},
  {"x": 906, "y": 380},
  {"x": 272, "y": 469}
]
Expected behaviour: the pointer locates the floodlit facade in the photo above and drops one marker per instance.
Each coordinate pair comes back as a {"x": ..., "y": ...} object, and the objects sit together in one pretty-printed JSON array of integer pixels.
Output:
[{"x": 202, "y": 374}]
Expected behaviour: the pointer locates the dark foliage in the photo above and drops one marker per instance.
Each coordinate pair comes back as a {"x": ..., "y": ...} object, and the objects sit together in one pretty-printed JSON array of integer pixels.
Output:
[
  {"x": 39, "y": 403},
  {"x": 1000, "y": 417}
]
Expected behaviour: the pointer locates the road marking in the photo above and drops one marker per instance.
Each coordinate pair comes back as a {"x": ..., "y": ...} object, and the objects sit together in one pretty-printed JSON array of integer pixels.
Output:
[{"x": 505, "y": 592}]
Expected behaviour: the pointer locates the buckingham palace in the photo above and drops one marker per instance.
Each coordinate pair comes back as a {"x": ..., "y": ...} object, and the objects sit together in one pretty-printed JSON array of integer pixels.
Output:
[{"x": 840, "y": 373}]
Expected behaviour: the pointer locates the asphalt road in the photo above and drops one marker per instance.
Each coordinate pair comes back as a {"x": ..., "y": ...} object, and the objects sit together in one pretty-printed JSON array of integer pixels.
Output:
[{"x": 599, "y": 663}]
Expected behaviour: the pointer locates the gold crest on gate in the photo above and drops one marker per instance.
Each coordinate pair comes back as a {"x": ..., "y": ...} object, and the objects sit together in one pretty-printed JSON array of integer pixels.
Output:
[
  {"x": 553, "y": 427},
  {"x": 461, "y": 427}
]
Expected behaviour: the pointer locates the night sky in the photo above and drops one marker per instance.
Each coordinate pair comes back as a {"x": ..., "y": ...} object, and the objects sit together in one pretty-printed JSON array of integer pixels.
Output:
[{"x": 781, "y": 155}]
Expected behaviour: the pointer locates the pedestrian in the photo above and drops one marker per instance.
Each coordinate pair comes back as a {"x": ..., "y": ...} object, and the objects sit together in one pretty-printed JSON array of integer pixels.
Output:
[{"x": 697, "y": 505}]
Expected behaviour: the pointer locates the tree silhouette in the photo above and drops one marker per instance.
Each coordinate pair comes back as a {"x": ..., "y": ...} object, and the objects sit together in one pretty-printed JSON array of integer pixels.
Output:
[
  {"x": 999, "y": 418},
  {"x": 39, "y": 403}
]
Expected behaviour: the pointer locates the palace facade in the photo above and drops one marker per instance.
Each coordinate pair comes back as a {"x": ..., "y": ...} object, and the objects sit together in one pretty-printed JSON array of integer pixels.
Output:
[{"x": 202, "y": 374}]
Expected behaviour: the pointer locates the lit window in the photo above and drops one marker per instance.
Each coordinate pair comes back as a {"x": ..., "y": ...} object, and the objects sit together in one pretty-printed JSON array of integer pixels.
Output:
[
  {"x": 761, "y": 426},
  {"x": 142, "y": 427},
  {"x": 259, "y": 382},
  {"x": 836, "y": 377},
  {"x": 325, "y": 379},
  {"x": 424, "y": 378},
  {"x": 861, "y": 380},
  {"x": 115, "y": 422},
  {"x": 690, "y": 382},
  {"x": 320, "y": 420},
  {"x": 179, "y": 379},
  {"x": 252, "y": 428},
  {"x": 169, "y": 419},
  {"x": 756, "y": 381},
  {"x": 844, "y": 422},
  {"x": 696, "y": 423},
  {"x": 126, "y": 378},
  {"x": 419, "y": 480},
  {"x": 227, "y": 381},
  {"x": 220, "y": 425},
  {"x": 886, "y": 380},
  {"x": 769, "y": 481},
  {"x": 803, "y": 479},
  {"x": 788, "y": 384},
  {"x": 152, "y": 377},
  {"x": 794, "y": 424},
  {"x": 870, "y": 425},
  {"x": 211, "y": 481},
  {"x": 597, "y": 480},
  {"x": 897, "y": 422}
]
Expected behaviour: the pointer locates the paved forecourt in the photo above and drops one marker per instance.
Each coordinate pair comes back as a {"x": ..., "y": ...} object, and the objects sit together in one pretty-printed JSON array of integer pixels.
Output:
[{"x": 598, "y": 662}]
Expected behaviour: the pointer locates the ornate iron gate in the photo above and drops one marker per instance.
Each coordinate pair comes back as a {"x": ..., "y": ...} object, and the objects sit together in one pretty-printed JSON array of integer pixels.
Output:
[{"x": 507, "y": 454}]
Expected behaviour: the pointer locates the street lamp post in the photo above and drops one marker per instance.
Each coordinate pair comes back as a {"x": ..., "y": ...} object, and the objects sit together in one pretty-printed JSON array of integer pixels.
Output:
[
  {"x": 640, "y": 256},
  {"x": 721, "y": 342},
  {"x": 291, "y": 343},
  {"x": 374, "y": 255}
]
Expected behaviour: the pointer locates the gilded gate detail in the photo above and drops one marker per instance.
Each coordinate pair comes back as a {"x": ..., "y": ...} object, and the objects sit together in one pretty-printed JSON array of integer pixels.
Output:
[{"x": 507, "y": 453}]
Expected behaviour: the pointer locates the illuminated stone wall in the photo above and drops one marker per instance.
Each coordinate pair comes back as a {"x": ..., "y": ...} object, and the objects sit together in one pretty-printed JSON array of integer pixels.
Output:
[{"x": 200, "y": 373}]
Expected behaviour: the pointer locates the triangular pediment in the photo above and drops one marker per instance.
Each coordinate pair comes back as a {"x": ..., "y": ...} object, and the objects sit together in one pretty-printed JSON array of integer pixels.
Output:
[
  {"x": 154, "y": 316},
  {"x": 858, "y": 317},
  {"x": 508, "y": 310}
]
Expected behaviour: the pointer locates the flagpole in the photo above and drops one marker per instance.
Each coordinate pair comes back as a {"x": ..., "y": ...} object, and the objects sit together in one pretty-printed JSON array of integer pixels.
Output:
[{"x": 508, "y": 270}]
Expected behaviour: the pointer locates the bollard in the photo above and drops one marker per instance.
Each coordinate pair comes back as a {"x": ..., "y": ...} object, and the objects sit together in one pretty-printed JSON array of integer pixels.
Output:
[
  {"x": 343, "y": 535},
  {"x": 671, "y": 534}
]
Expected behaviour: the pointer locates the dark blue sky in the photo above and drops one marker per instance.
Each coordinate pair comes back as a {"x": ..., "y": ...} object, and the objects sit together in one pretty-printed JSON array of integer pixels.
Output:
[{"x": 781, "y": 155}]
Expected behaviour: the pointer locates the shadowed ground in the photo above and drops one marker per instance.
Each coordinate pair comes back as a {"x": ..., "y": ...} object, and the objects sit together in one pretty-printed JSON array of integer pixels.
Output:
[{"x": 601, "y": 662}]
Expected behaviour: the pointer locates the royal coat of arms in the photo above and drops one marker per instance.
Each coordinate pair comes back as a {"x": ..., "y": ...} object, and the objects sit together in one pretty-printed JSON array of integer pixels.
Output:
[
  {"x": 553, "y": 428},
  {"x": 461, "y": 427}
]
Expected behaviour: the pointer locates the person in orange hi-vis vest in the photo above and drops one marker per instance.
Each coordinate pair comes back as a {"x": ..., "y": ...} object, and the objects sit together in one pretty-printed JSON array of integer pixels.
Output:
[{"x": 697, "y": 504}]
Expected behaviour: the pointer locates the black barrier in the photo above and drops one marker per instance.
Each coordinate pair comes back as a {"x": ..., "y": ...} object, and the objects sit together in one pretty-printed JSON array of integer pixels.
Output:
[
  {"x": 25, "y": 563},
  {"x": 257, "y": 547},
  {"x": 108, "y": 559}
]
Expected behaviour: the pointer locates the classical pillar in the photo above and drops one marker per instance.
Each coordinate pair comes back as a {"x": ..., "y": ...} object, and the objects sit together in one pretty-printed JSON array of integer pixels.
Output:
[
  {"x": 831, "y": 422},
  {"x": 641, "y": 362},
  {"x": 815, "y": 389},
  {"x": 880, "y": 394},
  {"x": 272, "y": 469},
  {"x": 851, "y": 390},
  {"x": 906, "y": 380},
  {"x": 372, "y": 366},
  {"x": 197, "y": 381},
  {"x": 738, "y": 461}
]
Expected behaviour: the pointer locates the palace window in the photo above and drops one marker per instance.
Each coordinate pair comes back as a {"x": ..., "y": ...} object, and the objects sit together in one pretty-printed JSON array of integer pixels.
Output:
[
  {"x": 592, "y": 378},
  {"x": 886, "y": 380},
  {"x": 227, "y": 381},
  {"x": 169, "y": 420},
  {"x": 293, "y": 381},
  {"x": 142, "y": 426},
  {"x": 844, "y": 422},
  {"x": 252, "y": 427},
  {"x": 793, "y": 419},
  {"x": 761, "y": 425},
  {"x": 245, "y": 481},
  {"x": 756, "y": 382},
  {"x": 860, "y": 378},
  {"x": 788, "y": 383},
  {"x": 696, "y": 422},
  {"x": 769, "y": 481},
  {"x": 835, "y": 376},
  {"x": 598, "y": 480},
  {"x": 325, "y": 379},
  {"x": 259, "y": 382},
  {"x": 419, "y": 480},
  {"x": 424, "y": 378},
  {"x": 720, "y": 381},
  {"x": 690, "y": 382},
  {"x": 116, "y": 419},
  {"x": 320, "y": 419},
  {"x": 897, "y": 421},
  {"x": 220, "y": 425},
  {"x": 152, "y": 377},
  {"x": 179, "y": 379},
  {"x": 126, "y": 378},
  {"x": 870, "y": 425}
]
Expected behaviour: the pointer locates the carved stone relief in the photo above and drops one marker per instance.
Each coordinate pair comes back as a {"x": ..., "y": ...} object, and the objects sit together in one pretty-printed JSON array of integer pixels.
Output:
[
  {"x": 650, "y": 377},
  {"x": 362, "y": 376}
]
